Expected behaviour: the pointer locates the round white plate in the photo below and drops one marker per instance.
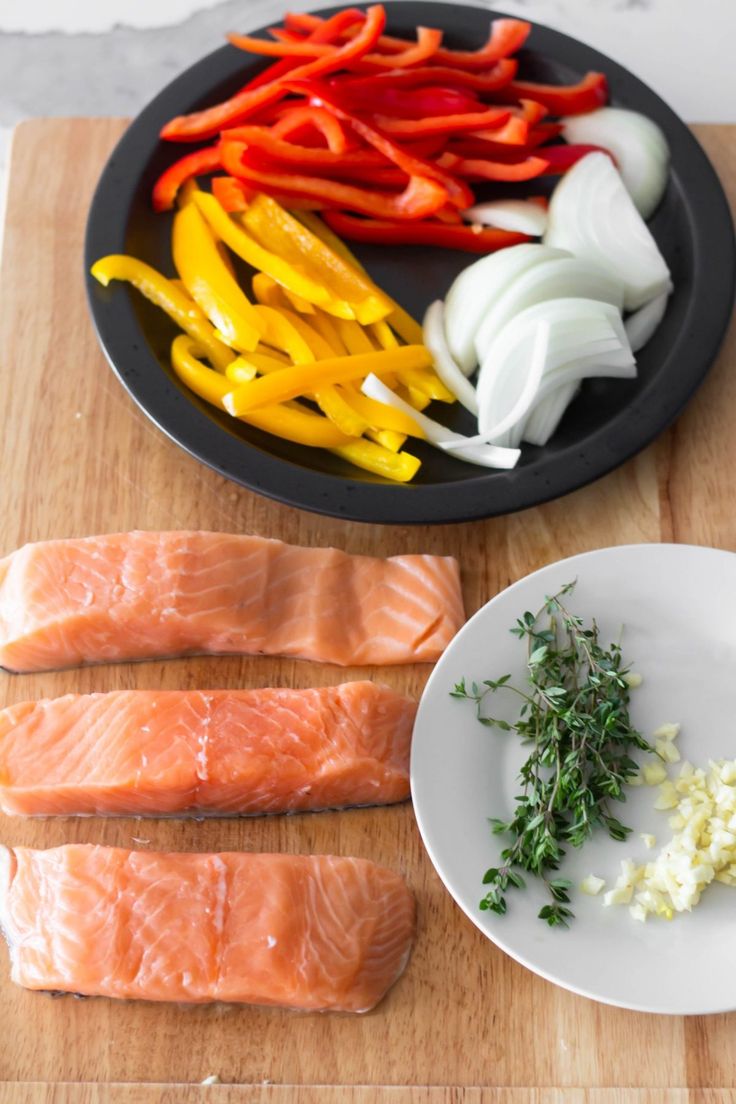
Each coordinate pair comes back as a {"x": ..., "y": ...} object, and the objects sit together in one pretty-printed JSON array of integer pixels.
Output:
[{"x": 677, "y": 605}]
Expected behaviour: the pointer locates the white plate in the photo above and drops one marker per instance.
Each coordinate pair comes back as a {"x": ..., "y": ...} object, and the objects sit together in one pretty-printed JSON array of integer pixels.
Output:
[{"x": 677, "y": 605}]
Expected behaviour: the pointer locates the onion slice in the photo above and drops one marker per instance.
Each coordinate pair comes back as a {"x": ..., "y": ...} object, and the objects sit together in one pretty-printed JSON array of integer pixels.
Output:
[
  {"x": 587, "y": 338},
  {"x": 642, "y": 323},
  {"x": 561, "y": 278},
  {"x": 526, "y": 399},
  {"x": 476, "y": 289},
  {"x": 444, "y": 365},
  {"x": 547, "y": 414},
  {"x": 486, "y": 456},
  {"x": 520, "y": 215},
  {"x": 637, "y": 144},
  {"x": 592, "y": 215}
]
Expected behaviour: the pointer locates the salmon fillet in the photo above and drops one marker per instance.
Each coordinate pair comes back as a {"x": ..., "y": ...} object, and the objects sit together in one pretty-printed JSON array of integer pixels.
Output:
[
  {"x": 306, "y": 932},
  {"x": 153, "y": 753},
  {"x": 141, "y": 595}
]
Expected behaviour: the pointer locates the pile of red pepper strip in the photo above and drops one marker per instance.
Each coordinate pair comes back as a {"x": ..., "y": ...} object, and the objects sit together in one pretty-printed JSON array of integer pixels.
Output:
[{"x": 381, "y": 134}]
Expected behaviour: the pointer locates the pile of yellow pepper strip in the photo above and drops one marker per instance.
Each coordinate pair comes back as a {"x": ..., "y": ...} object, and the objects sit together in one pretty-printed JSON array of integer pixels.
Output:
[{"x": 315, "y": 327}]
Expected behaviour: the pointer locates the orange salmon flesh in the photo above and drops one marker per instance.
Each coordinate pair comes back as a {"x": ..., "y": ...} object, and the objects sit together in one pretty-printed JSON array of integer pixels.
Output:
[
  {"x": 298, "y": 931},
  {"x": 227, "y": 752},
  {"x": 141, "y": 595}
]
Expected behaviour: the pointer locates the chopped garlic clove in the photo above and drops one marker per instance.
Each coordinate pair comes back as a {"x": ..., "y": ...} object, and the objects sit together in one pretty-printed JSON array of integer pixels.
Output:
[
  {"x": 654, "y": 772},
  {"x": 649, "y": 840},
  {"x": 592, "y": 885},
  {"x": 667, "y": 732}
]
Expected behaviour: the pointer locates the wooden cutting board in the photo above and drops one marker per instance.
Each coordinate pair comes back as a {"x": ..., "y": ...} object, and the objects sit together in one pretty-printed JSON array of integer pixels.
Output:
[{"x": 79, "y": 458}]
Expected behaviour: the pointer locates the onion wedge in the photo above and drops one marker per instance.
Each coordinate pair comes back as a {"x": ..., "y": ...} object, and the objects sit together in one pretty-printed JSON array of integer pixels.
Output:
[
  {"x": 485, "y": 456},
  {"x": 637, "y": 144},
  {"x": 476, "y": 289},
  {"x": 592, "y": 215},
  {"x": 642, "y": 323},
  {"x": 520, "y": 215},
  {"x": 444, "y": 365},
  {"x": 561, "y": 278},
  {"x": 586, "y": 338}
]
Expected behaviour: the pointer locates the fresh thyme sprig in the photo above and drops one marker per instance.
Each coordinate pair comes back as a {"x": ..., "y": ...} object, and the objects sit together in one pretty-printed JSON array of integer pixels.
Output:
[{"x": 575, "y": 715}]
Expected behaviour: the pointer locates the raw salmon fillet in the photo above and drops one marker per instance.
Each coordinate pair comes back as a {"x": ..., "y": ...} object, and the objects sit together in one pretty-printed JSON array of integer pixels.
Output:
[
  {"x": 300, "y": 931},
  {"x": 152, "y": 753},
  {"x": 144, "y": 595}
]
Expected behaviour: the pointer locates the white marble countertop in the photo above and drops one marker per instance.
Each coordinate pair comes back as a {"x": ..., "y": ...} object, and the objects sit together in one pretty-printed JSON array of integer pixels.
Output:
[{"x": 108, "y": 57}]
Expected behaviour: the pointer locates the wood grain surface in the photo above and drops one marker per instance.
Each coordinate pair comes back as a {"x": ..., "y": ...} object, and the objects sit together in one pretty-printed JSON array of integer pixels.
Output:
[{"x": 77, "y": 458}]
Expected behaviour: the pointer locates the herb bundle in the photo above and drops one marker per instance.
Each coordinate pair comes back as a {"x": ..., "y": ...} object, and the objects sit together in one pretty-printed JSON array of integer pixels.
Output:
[{"x": 575, "y": 716}]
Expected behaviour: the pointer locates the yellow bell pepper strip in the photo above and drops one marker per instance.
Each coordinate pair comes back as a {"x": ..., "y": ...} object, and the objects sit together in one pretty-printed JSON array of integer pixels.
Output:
[
  {"x": 241, "y": 370},
  {"x": 399, "y": 466},
  {"x": 247, "y": 367},
  {"x": 271, "y": 294},
  {"x": 380, "y": 416},
  {"x": 328, "y": 399},
  {"x": 406, "y": 327},
  {"x": 209, "y": 283},
  {"x": 354, "y": 337},
  {"x": 279, "y": 331},
  {"x": 418, "y": 399},
  {"x": 332, "y": 403},
  {"x": 302, "y": 427},
  {"x": 325, "y": 325},
  {"x": 246, "y": 246},
  {"x": 386, "y": 437},
  {"x": 286, "y": 235},
  {"x": 383, "y": 335},
  {"x": 165, "y": 294},
  {"x": 303, "y": 379},
  {"x": 319, "y": 348},
  {"x": 428, "y": 383}
]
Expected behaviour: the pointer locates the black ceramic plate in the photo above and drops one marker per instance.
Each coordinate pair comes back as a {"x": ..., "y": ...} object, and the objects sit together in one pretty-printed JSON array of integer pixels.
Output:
[{"x": 607, "y": 423}]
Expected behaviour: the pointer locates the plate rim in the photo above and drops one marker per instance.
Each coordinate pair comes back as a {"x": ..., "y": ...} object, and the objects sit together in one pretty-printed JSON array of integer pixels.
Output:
[
  {"x": 474, "y": 914},
  {"x": 475, "y": 497}
]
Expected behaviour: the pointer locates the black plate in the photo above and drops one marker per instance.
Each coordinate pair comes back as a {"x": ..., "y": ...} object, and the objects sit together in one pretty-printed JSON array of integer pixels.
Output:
[{"x": 610, "y": 421}]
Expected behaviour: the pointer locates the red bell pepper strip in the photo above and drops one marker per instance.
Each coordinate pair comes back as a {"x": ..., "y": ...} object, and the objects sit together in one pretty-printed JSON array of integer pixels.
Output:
[
  {"x": 543, "y": 132},
  {"x": 531, "y": 111},
  {"x": 231, "y": 194},
  {"x": 328, "y": 31},
  {"x": 245, "y": 103},
  {"x": 295, "y": 119},
  {"x": 420, "y": 198},
  {"x": 235, "y": 196},
  {"x": 472, "y": 169},
  {"x": 514, "y": 132},
  {"x": 315, "y": 159},
  {"x": 505, "y": 38},
  {"x": 496, "y": 77},
  {"x": 374, "y": 96},
  {"x": 429, "y": 40},
  {"x": 573, "y": 99},
  {"x": 560, "y": 158},
  {"x": 441, "y": 124},
  {"x": 385, "y": 232},
  {"x": 458, "y": 193},
  {"x": 193, "y": 164}
]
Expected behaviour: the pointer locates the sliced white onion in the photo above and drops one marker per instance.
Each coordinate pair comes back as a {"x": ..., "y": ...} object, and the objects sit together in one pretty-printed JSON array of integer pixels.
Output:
[
  {"x": 527, "y": 397},
  {"x": 477, "y": 288},
  {"x": 592, "y": 215},
  {"x": 642, "y": 323},
  {"x": 486, "y": 456},
  {"x": 638, "y": 145},
  {"x": 560, "y": 278},
  {"x": 520, "y": 215},
  {"x": 544, "y": 419},
  {"x": 587, "y": 338},
  {"x": 444, "y": 365}
]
